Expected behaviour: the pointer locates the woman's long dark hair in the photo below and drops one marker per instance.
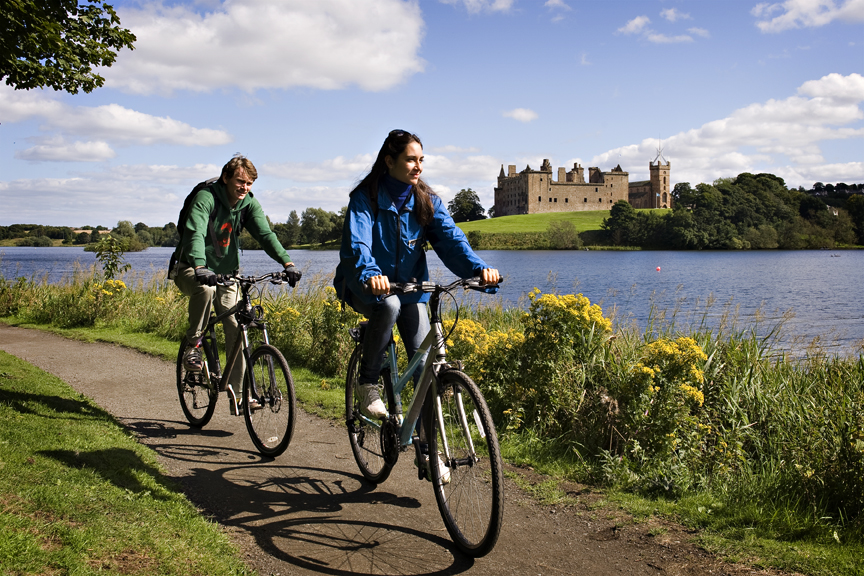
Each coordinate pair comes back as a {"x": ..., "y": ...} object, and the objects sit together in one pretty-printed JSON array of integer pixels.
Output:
[{"x": 393, "y": 146}]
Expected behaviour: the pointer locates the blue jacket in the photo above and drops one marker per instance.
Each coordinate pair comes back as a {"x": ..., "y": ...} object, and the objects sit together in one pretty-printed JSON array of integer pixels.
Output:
[{"x": 391, "y": 245}]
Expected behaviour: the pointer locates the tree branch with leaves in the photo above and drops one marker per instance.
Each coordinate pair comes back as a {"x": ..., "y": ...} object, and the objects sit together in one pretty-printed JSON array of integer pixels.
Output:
[{"x": 58, "y": 43}]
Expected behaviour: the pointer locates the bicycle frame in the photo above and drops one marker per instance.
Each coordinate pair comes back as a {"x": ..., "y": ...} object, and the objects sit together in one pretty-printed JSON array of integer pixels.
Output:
[
  {"x": 434, "y": 344},
  {"x": 243, "y": 311}
]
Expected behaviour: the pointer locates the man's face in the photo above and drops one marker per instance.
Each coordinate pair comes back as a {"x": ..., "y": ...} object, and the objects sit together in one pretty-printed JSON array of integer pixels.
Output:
[{"x": 238, "y": 186}]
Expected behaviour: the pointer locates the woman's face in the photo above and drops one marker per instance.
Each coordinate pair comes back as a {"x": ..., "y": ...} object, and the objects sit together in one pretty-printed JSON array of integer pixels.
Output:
[{"x": 408, "y": 166}]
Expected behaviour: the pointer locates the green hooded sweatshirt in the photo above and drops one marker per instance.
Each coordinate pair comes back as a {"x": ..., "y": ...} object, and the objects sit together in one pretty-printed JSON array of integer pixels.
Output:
[{"x": 196, "y": 245}]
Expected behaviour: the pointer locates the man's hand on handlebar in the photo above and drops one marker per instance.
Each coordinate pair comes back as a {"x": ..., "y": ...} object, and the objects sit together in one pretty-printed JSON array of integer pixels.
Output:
[
  {"x": 291, "y": 274},
  {"x": 205, "y": 276},
  {"x": 490, "y": 276}
]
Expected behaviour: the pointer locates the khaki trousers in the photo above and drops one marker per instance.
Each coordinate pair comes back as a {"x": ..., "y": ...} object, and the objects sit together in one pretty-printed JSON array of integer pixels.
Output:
[{"x": 201, "y": 298}]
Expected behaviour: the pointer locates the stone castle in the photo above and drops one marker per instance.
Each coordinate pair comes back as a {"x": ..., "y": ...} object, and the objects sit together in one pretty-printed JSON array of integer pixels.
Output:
[{"x": 535, "y": 192}]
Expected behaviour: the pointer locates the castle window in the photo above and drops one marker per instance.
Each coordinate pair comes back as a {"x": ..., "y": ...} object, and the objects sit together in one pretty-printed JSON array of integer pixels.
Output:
[
  {"x": 596, "y": 189},
  {"x": 550, "y": 199},
  {"x": 539, "y": 199},
  {"x": 556, "y": 200},
  {"x": 565, "y": 200},
  {"x": 586, "y": 199},
  {"x": 599, "y": 200}
]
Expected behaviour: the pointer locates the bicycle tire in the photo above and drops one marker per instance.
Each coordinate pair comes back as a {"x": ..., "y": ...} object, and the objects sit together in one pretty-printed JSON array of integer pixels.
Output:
[
  {"x": 197, "y": 394},
  {"x": 271, "y": 422},
  {"x": 365, "y": 438},
  {"x": 471, "y": 500}
]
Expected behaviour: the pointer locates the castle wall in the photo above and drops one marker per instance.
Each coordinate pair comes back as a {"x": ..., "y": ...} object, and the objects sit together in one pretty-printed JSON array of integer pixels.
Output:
[{"x": 536, "y": 192}]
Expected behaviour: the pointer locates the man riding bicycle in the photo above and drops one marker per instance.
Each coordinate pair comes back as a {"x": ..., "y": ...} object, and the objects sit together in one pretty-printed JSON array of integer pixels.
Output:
[{"x": 208, "y": 246}]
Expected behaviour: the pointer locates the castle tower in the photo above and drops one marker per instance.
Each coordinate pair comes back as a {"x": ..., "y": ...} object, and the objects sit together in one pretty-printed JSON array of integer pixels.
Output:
[{"x": 660, "y": 173}]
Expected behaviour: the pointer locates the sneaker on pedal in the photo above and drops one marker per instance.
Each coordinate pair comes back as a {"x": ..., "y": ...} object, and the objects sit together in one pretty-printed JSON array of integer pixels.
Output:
[
  {"x": 193, "y": 361},
  {"x": 444, "y": 470},
  {"x": 370, "y": 401}
]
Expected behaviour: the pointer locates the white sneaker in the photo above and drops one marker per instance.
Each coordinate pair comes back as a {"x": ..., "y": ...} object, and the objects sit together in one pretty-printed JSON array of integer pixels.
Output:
[
  {"x": 370, "y": 401},
  {"x": 444, "y": 470}
]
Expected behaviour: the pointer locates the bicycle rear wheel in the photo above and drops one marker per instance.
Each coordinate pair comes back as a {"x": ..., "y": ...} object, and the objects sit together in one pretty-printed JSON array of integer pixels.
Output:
[
  {"x": 268, "y": 401},
  {"x": 466, "y": 474},
  {"x": 197, "y": 394},
  {"x": 365, "y": 437}
]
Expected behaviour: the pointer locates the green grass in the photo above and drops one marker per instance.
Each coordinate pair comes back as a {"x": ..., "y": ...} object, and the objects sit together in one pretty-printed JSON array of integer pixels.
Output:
[
  {"x": 78, "y": 495},
  {"x": 785, "y": 484},
  {"x": 583, "y": 221}
]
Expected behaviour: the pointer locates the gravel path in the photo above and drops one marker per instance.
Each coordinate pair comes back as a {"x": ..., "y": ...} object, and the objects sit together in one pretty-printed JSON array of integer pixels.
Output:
[{"x": 309, "y": 511}]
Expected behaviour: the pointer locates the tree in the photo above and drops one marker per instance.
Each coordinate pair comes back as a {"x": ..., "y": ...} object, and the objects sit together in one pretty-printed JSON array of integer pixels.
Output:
[
  {"x": 466, "y": 207},
  {"x": 855, "y": 206},
  {"x": 316, "y": 225},
  {"x": 57, "y": 43},
  {"x": 562, "y": 235},
  {"x": 621, "y": 224},
  {"x": 289, "y": 233},
  {"x": 124, "y": 228}
]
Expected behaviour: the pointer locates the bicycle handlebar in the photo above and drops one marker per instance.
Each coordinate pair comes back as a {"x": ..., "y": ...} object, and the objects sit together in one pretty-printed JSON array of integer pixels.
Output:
[
  {"x": 475, "y": 283},
  {"x": 229, "y": 279}
]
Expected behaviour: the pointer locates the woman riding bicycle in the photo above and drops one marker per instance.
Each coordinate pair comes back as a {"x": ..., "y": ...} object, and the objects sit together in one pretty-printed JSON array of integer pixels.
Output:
[{"x": 392, "y": 213}]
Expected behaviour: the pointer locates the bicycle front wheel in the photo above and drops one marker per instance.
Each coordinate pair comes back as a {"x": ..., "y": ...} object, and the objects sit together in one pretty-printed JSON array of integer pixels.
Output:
[
  {"x": 197, "y": 394},
  {"x": 365, "y": 437},
  {"x": 467, "y": 473},
  {"x": 268, "y": 401}
]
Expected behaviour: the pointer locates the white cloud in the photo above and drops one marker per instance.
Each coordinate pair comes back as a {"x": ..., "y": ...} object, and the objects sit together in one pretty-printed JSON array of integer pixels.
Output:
[
  {"x": 451, "y": 149},
  {"x": 476, "y": 6},
  {"x": 338, "y": 169},
  {"x": 558, "y": 5},
  {"x": 672, "y": 14},
  {"x": 140, "y": 193},
  {"x": 252, "y": 45},
  {"x": 521, "y": 114},
  {"x": 56, "y": 149},
  {"x": 635, "y": 26},
  {"x": 639, "y": 25},
  {"x": 447, "y": 169},
  {"x": 836, "y": 87},
  {"x": 583, "y": 60},
  {"x": 657, "y": 38},
  {"x": 449, "y": 174},
  {"x": 777, "y": 136},
  {"x": 806, "y": 13},
  {"x": 699, "y": 32},
  {"x": 110, "y": 122}
]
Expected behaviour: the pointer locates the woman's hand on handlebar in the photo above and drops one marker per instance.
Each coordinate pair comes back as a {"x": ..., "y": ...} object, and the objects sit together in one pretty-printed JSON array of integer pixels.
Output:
[
  {"x": 379, "y": 285},
  {"x": 490, "y": 276}
]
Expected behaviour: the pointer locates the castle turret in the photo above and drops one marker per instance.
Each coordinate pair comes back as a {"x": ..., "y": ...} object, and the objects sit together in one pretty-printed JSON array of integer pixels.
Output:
[{"x": 659, "y": 177}]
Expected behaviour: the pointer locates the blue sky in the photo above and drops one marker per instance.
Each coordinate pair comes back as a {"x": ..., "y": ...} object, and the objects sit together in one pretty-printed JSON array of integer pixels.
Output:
[{"x": 308, "y": 91}]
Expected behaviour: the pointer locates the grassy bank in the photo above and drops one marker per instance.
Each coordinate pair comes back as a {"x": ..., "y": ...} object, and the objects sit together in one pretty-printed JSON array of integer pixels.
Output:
[
  {"x": 78, "y": 495},
  {"x": 540, "y": 231},
  {"x": 762, "y": 454}
]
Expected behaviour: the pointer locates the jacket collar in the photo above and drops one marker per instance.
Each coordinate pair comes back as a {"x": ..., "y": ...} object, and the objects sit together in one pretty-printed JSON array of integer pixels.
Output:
[{"x": 384, "y": 200}]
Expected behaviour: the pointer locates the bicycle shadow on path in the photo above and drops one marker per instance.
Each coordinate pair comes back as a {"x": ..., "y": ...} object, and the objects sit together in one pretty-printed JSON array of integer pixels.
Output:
[{"x": 323, "y": 519}]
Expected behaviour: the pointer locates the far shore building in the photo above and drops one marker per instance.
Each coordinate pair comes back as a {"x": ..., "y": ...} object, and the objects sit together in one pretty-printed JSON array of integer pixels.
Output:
[{"x": 536, "y": 192}]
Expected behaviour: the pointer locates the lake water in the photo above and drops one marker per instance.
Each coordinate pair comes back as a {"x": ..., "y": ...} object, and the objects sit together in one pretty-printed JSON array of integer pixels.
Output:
[{"x": 821, "y": 288}]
